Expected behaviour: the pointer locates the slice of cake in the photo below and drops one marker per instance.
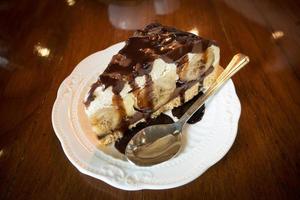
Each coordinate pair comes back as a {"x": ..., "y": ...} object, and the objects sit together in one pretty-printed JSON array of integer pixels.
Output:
[{"x": 159, "y": 68}]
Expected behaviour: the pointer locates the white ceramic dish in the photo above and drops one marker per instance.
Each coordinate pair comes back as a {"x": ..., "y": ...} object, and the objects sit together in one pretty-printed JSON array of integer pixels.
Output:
[{"x": 205, "y": 142}]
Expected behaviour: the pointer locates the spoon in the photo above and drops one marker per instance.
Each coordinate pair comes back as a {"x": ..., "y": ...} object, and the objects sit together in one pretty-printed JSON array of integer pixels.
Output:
[{"x": 158, "y": 143}]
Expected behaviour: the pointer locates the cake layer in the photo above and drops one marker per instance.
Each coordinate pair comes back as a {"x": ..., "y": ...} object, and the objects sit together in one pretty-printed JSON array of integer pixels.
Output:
[{"x": 157, "y": 65}]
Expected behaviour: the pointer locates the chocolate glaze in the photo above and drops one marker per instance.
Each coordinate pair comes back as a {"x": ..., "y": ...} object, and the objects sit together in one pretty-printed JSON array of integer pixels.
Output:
[
  {"x": 144, "y": 98},
  {"x": 136, "y": 59},
  {"x": 197, "y": 116},
  {"x": 121, "y": 144},
  {"x": 182, "y": 87},
  {"x": 118, "y": 101},
  {"x": 91, "y": 95}
]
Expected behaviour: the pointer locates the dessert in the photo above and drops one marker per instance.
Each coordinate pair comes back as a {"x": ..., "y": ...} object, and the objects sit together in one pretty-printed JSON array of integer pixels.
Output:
[{"x": 159, "y": 68}]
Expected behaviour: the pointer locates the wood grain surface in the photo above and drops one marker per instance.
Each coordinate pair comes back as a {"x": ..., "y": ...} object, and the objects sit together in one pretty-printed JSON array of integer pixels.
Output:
[{"x": 42, "y": 41}]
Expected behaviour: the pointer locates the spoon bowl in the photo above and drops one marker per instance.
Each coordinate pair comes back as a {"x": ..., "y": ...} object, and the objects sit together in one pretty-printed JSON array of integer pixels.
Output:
[{"x": 154, "y": 144}]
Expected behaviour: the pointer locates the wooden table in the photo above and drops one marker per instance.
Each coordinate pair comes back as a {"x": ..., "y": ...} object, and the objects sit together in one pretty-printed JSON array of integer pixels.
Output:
[{"x": 42, "y": 41}]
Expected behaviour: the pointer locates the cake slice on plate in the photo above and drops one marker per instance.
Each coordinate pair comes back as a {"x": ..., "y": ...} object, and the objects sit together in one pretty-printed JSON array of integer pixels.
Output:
[{"x": 159, "y": 68}]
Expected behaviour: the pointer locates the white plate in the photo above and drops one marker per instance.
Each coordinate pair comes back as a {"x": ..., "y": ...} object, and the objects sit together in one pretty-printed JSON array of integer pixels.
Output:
[{"x": 205, "y": 142}]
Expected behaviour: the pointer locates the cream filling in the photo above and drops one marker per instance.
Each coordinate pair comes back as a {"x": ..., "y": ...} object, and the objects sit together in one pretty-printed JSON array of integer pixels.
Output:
[{"x": 164, "y": 77}]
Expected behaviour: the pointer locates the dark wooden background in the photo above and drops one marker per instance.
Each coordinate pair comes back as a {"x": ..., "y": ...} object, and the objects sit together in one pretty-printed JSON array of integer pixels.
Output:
[{"x": 42, "y": 41}]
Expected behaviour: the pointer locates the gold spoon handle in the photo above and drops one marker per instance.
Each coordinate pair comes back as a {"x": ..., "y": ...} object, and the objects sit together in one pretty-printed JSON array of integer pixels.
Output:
[{"x": 238, "y": 61}]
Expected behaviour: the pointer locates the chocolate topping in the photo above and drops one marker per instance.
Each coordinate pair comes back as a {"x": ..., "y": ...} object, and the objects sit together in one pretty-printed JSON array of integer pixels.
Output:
[
  {"x": 121, "y": 144},
  {"x": 129, "y": 133},
  {"x": 137, "y": 57},
  {"x": 197, "y": 116}
]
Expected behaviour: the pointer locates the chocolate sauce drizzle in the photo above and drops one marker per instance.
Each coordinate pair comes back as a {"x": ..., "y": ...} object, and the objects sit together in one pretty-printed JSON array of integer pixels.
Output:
[
  {"x": 136, "y": 59},
  {"x": 121, "y": 144},
  {"x": 197, "y": 116}
]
